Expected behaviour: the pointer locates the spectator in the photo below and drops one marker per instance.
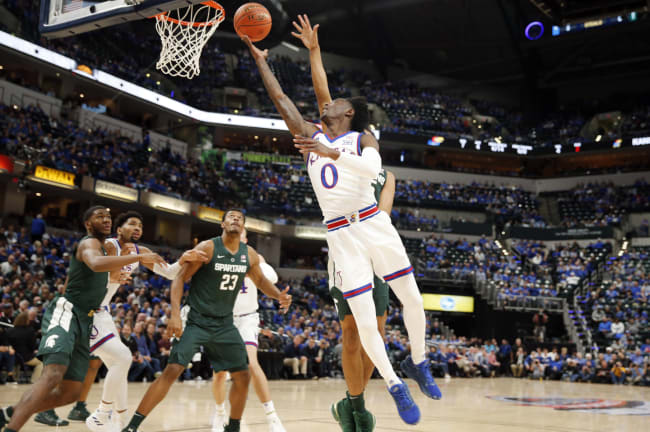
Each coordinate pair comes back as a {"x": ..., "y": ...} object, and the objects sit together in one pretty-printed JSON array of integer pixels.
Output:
[
  {"x": 7, "y": 358},
  {"x": 539, "y": 321},
  {"x": 294, "y": 357},
  {"x": 38, "y": 228},
  {"x": 23, "y": 340},
  {"x": 618, "y": 373}
]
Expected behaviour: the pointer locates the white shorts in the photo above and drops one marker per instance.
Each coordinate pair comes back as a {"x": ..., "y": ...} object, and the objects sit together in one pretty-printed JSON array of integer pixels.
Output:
[
  {"x": 102, "y": 332},
  {"x": 249, "y": 327},
  {"x": 365, "y": 244}
]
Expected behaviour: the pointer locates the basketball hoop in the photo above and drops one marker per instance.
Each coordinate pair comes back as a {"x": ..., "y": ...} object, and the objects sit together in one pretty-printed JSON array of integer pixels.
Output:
[{"x": 183, "y": 37}]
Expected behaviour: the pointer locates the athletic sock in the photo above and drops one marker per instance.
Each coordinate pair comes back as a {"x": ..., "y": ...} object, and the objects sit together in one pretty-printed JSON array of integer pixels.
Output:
[
  {"x": 234, "y": 423},
  {"x": 9, "y": 411},
  {"x": 106, "y": 407},
  {"x": 137, "y": 418},
  {"x": 268, "y": 407},
  {"x": 357, "y": 402},
  {"x": 221, "y": 408},
  {"x": 80, "y": 405}
]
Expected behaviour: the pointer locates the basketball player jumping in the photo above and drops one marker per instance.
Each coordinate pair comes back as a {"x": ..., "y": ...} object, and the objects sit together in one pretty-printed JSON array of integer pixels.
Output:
[
  {"x": 105, "y": 340},
  {"x": 64, "y": 346},
  {"x": 360, "y": 237},
  {"x": 213, "y": 291},
  {"x": 247, "y": 321},
  {"x": 350, "y": 412}
]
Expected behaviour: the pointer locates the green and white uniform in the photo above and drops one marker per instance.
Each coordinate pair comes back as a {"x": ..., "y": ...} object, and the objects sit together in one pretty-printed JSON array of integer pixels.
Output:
[
  {"x": 380, "y": 288},
  {"x": 212, "y": 295},
  {"x": 68, "y": 319}
]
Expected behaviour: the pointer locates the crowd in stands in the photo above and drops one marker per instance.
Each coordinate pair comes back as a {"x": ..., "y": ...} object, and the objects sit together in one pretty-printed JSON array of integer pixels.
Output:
[
  {"x": 411, "y": 109},
  {"x": 33, "y": 267},
  {"x": 473, "y": 357},
  {"x": 602, "y": 204}
]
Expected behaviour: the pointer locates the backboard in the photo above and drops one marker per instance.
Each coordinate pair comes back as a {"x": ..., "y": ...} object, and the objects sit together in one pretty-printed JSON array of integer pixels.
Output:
[{"x": 61, "y": 18}]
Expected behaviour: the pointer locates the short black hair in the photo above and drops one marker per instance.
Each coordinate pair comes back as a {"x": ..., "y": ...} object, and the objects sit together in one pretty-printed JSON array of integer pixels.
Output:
[
  {"x": 361, "y": 117},
  {"x": 89, "y": 213},
  {"x": 236, "y": 209},
  {"x": 123, "y": 217}
]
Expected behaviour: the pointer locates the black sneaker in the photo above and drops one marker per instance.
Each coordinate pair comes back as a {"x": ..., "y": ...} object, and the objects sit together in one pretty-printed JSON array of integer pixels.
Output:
[
  {"x": 79, "y": 413},
  {"x": 50, "y": 418},
  {"x": 231, "y": 428},
  {"x": 4, "y": 418}
]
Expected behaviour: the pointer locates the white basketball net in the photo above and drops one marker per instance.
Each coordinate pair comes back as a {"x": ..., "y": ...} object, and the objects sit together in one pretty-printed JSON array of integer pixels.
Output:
[{"x": 183, "y": 37}]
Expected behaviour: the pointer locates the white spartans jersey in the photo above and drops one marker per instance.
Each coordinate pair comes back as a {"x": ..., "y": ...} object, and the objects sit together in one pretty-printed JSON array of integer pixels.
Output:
[
  {"x": 111, "y": 287},
  {"x": 246, "y": 301},
  {"x": 339, "y": 191}
]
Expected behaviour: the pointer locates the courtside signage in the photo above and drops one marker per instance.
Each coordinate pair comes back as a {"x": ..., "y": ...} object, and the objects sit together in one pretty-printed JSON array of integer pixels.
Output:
[
  {"x": 448, "y": 303},
  {"x": 112, "y": 190},
  {"x": 166, "y": 203},
  {"x": 54, "y": 176},
  {"x": 258, "y": 225},
  {"x": 312, "y": 233},
  {"x": 209, "y": 214}
]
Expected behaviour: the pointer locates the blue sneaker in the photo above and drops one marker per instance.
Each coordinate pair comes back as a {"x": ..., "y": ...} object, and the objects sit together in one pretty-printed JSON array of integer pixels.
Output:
[
  {"x": 406, "y": 407},
  {"x": 421, "y": 373}
]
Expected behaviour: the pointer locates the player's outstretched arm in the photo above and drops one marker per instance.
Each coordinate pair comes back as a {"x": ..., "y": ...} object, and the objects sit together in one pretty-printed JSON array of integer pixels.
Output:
[
  {"x": 170, "y": 271},
  {"x": 309, "y": 37},
  {"x": 283, "y": 104},
  {"x": 387, "y": 194},
  {"x": 90, "y": 252},
  {"x": 188, "y": 269},
  {"x": 257, "y": 276}
]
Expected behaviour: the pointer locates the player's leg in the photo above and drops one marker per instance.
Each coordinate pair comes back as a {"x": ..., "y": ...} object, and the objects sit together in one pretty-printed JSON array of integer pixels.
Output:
[
  {"x": 79, "y": 412},
  {"x": 261, "y": 386},
  {"x": 49, "y": 391},
  {"x": 368, "y": 366},
  {"x": 219, "y": 393},
  {"x": 113, "y": 405},
  {"x": 237, "y": 398},
  {"x": 354, "y": 270},
  {"x": 226, "y": 351},
  {"x": 179, "y": 357},
  {"x": 390, "y": 260},
  {"x": 64, "y": 350}
]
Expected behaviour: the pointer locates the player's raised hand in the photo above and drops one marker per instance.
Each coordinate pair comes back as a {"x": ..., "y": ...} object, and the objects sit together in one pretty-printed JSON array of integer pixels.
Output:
[
  {"x": 152, "y": 258},
  {"x": 285, "y": 300},
  {"x": 175, "y": 326},
  {"x": 193, "y": 255},
  {"x": 307, "y": 145},
  {"x": 306, "y": 33},
  {"x": 257, "y": 53}
]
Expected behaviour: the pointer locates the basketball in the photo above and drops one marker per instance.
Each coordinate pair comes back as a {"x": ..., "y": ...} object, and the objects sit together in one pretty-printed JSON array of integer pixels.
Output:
[{"x": 253, "y": 20}]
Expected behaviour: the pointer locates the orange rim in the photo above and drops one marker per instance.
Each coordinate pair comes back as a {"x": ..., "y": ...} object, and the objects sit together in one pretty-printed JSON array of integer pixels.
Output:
[{"x": 212, "y": 4}]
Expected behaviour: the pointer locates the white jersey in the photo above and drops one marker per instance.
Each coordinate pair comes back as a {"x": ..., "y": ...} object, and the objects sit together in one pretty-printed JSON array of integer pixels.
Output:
[
  {"x": 246, "y": 302},
  {"x": 111, "y": 287},
  {"x": 339, "y": 191}
]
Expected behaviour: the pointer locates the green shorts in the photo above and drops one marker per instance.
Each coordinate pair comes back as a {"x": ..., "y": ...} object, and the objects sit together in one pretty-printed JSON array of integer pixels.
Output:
[
  {"x": 221, "y": 343},
  {"x": 66, "y": 332},
  {"x": 379, "y": 295}
]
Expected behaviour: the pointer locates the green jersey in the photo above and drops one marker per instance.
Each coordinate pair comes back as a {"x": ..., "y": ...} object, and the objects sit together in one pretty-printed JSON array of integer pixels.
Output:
[
  {"x": 378, "y": 183},
  {"x": 215, "y": 285},
  {"x": 86, "y": 289}
]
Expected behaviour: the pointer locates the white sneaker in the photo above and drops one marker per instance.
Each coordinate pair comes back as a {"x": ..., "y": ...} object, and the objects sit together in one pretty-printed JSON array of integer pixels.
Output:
[
  {"x": 219, "y": 421},
  {"x": 275, "y": 425},
  {"x": 100, "y": 421}
]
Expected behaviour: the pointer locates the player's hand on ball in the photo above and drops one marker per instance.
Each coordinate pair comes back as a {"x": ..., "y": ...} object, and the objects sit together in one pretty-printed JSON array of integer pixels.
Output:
[
  {"x": 257, "y": 53},
  {"x": 285, "y": 300},
  {"x": 307, "y": 34},
  {"x": 152, "y": 258},
  {"x": 175, "y": 327},
  {"x": 193, "y": 255},
  {"x": 307, "y": 145}
]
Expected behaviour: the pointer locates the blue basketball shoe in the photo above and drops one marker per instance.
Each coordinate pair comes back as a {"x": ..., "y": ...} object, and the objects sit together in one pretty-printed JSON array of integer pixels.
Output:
[
  {"x": 406, "y": 407},
  {"x": 421, "y": 373}
]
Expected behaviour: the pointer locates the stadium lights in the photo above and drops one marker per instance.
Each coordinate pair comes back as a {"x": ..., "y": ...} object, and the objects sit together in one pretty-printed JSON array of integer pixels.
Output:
[{"x": 598, "y": 137}]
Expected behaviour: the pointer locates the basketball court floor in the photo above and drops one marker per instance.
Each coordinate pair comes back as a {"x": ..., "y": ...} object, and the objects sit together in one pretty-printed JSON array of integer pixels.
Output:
[{"x": 482, "y": 405}]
